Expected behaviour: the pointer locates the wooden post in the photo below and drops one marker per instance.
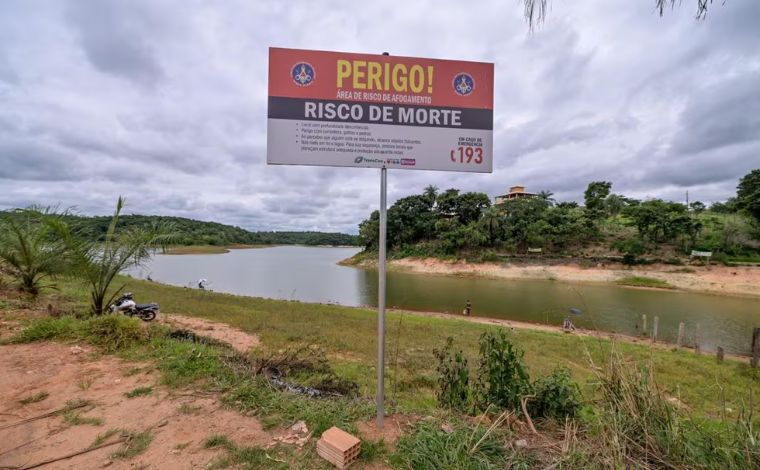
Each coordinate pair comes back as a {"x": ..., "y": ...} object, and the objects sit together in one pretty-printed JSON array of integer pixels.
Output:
[
  {"x": 696, "y": 340},
  {"x": 654, "y": 328},
  {"x": 720, "y": 355},
  {"x": 644, "y": 324},
  {"x": 755, "y": 346},
  {"x": 679, "y": 341}
]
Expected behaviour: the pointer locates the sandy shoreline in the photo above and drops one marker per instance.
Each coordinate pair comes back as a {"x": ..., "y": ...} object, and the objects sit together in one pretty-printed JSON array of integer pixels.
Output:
[{"x": 722, "y": 280}]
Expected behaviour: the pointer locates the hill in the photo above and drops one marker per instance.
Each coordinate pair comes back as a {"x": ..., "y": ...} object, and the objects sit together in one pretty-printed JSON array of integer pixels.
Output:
[{"x": 196, "y": 232}]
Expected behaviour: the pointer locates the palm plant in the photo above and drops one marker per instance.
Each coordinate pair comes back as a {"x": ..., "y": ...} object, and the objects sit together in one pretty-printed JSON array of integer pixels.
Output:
[
  {"x": 29, "y": 249},
  {"x": 98, "y": 263}
]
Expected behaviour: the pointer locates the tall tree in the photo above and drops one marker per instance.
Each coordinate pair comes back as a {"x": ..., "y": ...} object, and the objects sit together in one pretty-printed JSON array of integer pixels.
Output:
[
  {"x": 595, "y": 195},
  {"x": 748, "y": 194}
]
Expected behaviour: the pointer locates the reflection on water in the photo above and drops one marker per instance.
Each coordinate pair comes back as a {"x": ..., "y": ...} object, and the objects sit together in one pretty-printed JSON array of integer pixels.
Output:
[{"x": 311, "y": 274}]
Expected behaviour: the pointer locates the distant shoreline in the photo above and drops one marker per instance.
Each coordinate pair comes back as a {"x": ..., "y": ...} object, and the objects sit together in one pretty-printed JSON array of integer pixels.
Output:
[
  {"x": 740, "y": 281},
  {"x": 219, "y": 250}
]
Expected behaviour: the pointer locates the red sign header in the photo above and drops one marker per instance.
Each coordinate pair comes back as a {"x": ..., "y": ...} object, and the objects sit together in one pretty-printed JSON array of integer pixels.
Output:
[{"x": 296, "y": 73}]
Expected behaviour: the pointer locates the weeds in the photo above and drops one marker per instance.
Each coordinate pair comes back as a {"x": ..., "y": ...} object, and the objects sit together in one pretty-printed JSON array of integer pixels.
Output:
[
  {"x": 241, "y": 457},
  {"x": 503, "y": 381},
  {"x": 135, "y": 443},
  {"x": 642, "y": 281},
  {"x": 139, "y": 392},
  {"x": 218, "y": 440},
  {"x": 35, "y": 398},
  {"x": 78, "y": 419},
  {"x": 453, "y": 377},
  {"x": 429, "y": 447},
  {"x": 638, "y": 425},
  {"x": 502, "y": 375}
]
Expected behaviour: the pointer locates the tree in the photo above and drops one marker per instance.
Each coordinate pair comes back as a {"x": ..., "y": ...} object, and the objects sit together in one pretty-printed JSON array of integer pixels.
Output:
[
  {"x": 535, "y": 10},
  {"x": 369, "y": 231},
  {"x": 697, "y": 207},
  {"x": 748, "y": 194},
  {"x": 595, "y": 195},
  {"x": 470, "y": 206},
  {"x": 29, "y": 249},
  {"x": 728, "y": 207},
  {"x": 614, "y": 203},
  {"x": 491, "y": 223},
  {"x": 431, "y": 193},
  {"x": 98, "y": 263}
]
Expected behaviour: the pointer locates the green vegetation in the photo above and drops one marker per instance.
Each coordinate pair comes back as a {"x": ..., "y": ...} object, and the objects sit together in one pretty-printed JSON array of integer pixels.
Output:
[
  {"x": 642, "y": 281},
  {"x": 98, "y": 263},
  {"x": 195, "y": 232},
  {"x": 608, "y": 225},
  {"x": 28, "y": 248},
  {"x": 139, "y": 392},
  {"x": 34, "y": 398},
  {"x": 135, "y": 443},
  {"x": 196, "y": 250},
  {"x": 430, "y": 447},
  {"x": 502, "y": 380},
  {"x": 621, "y": 417},
  {"x": 74, "y": 418}
]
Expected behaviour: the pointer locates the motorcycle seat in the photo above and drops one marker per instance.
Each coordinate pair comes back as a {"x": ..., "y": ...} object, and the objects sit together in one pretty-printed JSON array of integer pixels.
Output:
[{"x": 144, "y": 306}]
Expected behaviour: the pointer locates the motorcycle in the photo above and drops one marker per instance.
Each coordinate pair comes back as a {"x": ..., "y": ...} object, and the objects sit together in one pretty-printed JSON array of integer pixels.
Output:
[{"x": 127, "y": 305}]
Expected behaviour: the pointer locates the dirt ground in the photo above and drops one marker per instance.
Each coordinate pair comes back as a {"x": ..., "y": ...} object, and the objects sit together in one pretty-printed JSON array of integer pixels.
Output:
[
  {"x": 740, "y": 280},
  {"x": 180, "y": 422}
]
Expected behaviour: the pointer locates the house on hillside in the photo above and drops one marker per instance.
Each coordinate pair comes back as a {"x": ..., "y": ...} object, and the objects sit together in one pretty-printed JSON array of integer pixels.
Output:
[{"x": 515, "y": 192}]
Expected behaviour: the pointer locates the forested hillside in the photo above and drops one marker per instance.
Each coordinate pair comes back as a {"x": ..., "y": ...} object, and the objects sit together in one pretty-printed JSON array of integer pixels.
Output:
[
  {"x": 450, "y": 223},
  {"x": 196, "y": 232}
]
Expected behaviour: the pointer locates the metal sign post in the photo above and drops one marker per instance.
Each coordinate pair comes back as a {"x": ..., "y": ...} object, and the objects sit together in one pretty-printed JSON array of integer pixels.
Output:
[{"x": 381, "y": 299}]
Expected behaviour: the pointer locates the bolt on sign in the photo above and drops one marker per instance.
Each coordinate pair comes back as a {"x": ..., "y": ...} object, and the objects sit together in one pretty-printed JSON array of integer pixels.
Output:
[{"x": 364, "y": 110}]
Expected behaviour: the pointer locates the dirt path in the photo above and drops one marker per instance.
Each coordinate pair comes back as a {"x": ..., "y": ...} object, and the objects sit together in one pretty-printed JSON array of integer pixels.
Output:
[
  {"x": 742, "y": 280},
  {"x": 238, "y": 339},
  {"x": 179, "y": 422}
]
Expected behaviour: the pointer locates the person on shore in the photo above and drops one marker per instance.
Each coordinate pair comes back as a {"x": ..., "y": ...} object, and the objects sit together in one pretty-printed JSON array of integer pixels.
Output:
[
  {"x": 467, "y": 308},
  {"x": 567, "y": 325},
  {"x": 202, "y": 284}
]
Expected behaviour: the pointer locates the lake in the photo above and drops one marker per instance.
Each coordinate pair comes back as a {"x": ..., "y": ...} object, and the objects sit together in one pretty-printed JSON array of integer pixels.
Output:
[{"x": 310, "y": 274}]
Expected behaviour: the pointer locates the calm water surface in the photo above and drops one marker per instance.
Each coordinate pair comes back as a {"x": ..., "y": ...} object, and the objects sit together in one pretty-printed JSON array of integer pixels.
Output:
[{"x": 311, "y": 274}]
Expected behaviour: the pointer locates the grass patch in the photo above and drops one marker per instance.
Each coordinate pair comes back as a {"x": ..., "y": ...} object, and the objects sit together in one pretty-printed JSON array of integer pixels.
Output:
[
  {"x": 72, "y": 418},
  {"x": 139, "y": 392},
  {"x": 135, "y": 444},
  {"x": 196, "y": 250},
  {"x": 642, "y": 281},
  {"x": 35, "y": 398},
  {"x": 429, "y": 447},
  {"x": 218, "y": 440},
  {"x": 278, "y": 457}
]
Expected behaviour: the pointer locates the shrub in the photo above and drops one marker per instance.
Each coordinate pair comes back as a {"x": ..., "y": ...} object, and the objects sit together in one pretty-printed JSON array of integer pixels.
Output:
[
  {"x": 453, "y": 377},
  {"x": 502, "y": 375},
  {"x": 114, "y": 332},
  {"x": 556, "y": 396}
]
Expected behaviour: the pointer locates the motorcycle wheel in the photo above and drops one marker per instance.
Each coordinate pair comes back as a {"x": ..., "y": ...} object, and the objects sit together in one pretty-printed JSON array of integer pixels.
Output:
[{"x": 148, "y": 316}]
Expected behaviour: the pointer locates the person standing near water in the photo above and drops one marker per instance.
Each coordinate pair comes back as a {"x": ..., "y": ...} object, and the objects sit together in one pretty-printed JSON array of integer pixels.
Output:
[{"x": 467, "y": 308}]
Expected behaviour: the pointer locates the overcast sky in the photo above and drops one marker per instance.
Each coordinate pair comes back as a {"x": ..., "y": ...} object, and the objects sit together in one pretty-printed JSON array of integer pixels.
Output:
[{"x": 164, "y": 102}]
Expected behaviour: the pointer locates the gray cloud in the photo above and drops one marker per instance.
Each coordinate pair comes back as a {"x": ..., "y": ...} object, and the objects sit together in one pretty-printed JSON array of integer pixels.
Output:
[{"x": 165, "y": 102}]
